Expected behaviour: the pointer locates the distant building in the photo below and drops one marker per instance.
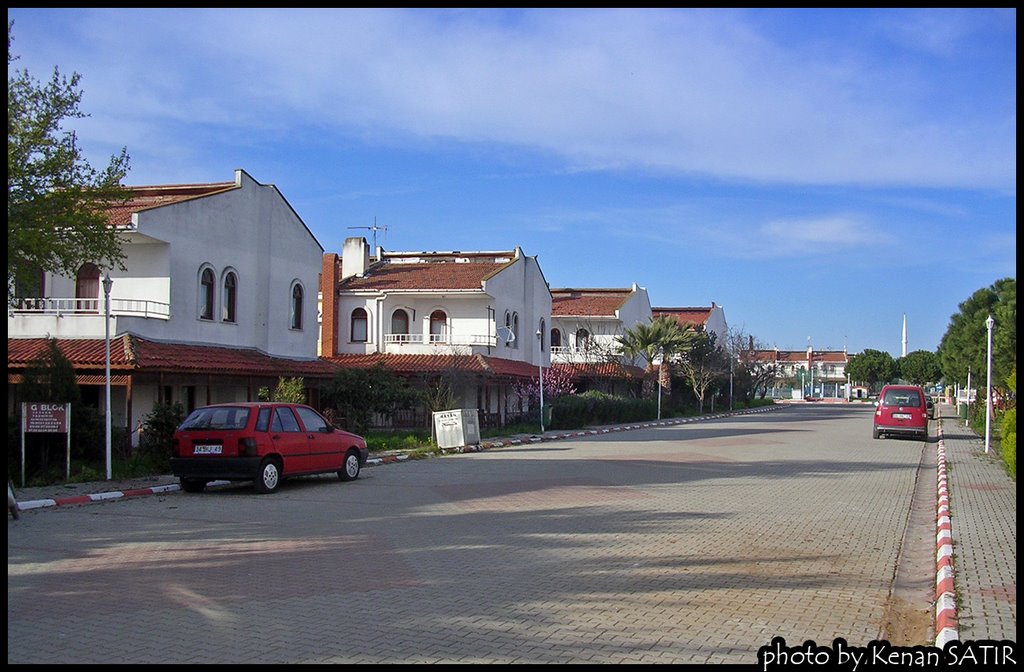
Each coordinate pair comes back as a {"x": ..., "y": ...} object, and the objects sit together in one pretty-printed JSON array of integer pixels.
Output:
[
  {"x": 805, "y": 373},
  {"x": 709, "y": 319}
]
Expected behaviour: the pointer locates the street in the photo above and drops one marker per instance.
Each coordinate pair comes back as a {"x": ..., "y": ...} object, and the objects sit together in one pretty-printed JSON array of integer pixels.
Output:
[{"x": 686, "y": 544}]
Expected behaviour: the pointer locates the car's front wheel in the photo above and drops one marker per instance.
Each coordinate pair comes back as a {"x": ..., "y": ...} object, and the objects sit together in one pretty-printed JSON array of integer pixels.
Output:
[
  {"x": 269, "y": 477},
  {"x": 350, "y": 468}
]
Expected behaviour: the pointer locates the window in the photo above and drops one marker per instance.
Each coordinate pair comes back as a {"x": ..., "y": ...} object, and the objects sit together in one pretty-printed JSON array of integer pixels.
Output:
[
  {"x": 263, "y": 420},
  {"x": 582, "y": 336},
  {"x": 515, "y": 330},
  {"x": 556, "y": 338},
  {"x": 542, "y": 332},
  {"x": 311, "y": 419},
  {"x": 438, "y": 327},
  {"x": 400, "y": 322},
  {"x": 284, "y": 420},
  {"x": 296, "y": 318},
  {"x": 206, "y": 284},
  {"x": 230, "y": 297},
  {"x": 359, "y": 332}
]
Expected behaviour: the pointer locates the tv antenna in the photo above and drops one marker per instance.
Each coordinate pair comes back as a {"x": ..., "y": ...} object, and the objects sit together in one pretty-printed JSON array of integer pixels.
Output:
[{"x": 375, "y": 229}]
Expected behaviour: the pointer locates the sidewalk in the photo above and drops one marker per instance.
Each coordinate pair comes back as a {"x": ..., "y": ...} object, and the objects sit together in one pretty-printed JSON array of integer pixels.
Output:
[{"x": 983, "y": 517}]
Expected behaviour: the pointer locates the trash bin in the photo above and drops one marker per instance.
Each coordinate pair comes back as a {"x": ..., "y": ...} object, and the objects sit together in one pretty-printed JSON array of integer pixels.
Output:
[
  {"x": 456, "y": 428},
  {"x": 962, "y": 411},
  {"x": 547, "y": 415}
]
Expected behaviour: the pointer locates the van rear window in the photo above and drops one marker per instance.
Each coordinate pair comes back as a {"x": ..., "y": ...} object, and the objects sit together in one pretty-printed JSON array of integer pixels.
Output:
[
  {"x": 901, "y": 398},
  {"x": 222, "y": 417}
]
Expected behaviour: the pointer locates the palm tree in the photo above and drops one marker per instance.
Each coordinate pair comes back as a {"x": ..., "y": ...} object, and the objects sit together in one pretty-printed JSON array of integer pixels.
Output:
[{"x": 662, "y": 337}]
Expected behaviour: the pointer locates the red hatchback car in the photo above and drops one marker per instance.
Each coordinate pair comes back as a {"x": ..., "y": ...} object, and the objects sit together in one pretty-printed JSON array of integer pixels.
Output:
[
  {"x": 901, "y": 410},
  {"x": 263, "y": 442}
]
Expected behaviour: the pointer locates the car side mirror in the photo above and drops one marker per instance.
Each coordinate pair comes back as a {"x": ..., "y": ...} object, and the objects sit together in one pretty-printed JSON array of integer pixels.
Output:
[{"x": 327, "y": 429}]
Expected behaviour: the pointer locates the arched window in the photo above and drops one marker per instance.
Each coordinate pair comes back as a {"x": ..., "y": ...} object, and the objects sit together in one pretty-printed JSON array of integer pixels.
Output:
[
  {"x": 542, "y": 332},
  {"x": 206, "y": 285},
  {"x": 515, "y": 330},
  {"x": 400, "y": 322},
  {"x": 582, "y": 336},
  {"x": 230, "y": 297},
  {"x": 87, "y": 286},
  {"x": 360, "y": 332},
  {"x": 556, "y": 338},
  {"x": 296, "y": 321},
  {"x": 438, "y": 327}
]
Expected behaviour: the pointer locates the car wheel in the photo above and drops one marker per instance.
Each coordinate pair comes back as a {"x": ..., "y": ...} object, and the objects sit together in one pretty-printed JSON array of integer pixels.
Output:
[
  {"x": 192, "y": 484},
  {"x": 350, "y": 469},
  {"x": 875, "y": 434},
  {"x": 269, "y": 478}
]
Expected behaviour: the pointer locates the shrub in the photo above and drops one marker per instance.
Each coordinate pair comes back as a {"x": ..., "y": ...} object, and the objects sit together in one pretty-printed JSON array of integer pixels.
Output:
[{"x": 597, "y": 408}]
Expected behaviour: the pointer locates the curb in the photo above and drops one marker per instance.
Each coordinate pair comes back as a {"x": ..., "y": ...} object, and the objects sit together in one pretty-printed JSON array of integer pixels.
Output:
[
  {"x": 390, "y": 459},
  {"x": 946, "y": 624}
]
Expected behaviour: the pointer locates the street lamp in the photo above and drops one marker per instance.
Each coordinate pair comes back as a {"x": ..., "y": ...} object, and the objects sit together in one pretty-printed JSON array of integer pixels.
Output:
[
  {"x": 540, "y": 375},
  {"x": 989, "y": 322},
  {"x": 107, "y": 284}
]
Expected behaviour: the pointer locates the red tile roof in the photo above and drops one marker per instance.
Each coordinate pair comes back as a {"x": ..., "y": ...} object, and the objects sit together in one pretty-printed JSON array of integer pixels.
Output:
[
  {"x": 798, "y": 356},
  {"x": 131, "y": 353},
  {"x": 685, "y": 316},
  {"x": 435, "y": 364},
  {"x": 144, "y": 198},
  {"x": 568, "y": 302},
  {"x": 600, "y": 370},
  {"x": 429, "y": 275}
]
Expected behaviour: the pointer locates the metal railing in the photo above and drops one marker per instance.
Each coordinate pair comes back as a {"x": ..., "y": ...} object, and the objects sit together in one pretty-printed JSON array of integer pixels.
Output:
[
  {"x": 118, "y": 307},
  {"x": 441, "y": 339}
]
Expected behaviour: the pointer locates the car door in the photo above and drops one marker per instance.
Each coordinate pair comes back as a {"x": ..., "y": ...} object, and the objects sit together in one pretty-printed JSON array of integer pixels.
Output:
[
  {"x": 290, "y": 441},
  {"x": 325, "y": 450}
]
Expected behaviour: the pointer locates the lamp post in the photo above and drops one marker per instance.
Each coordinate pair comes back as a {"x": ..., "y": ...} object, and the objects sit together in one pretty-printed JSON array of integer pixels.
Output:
[
  {"x": 989, "y": 323},
  {"x": 107, "y": 284},
  {"x": 540, "y": 375}
]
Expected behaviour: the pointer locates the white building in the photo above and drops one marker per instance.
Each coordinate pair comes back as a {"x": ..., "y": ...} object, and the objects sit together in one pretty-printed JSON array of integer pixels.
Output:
[
  {"x": 217, "y": 298},
  {"x": 484, "y": 315}
]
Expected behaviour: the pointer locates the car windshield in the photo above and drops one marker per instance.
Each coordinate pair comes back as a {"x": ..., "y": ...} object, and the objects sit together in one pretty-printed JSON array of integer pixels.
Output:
[
  {"x": 220, "y": 417},
  {"x": 901, "y": 398}
]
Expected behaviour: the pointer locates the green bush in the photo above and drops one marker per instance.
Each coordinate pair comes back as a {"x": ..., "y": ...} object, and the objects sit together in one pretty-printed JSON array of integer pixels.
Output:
[
  {"x": 1008, "y": 442},
  {"x": 597, "y": 408}
]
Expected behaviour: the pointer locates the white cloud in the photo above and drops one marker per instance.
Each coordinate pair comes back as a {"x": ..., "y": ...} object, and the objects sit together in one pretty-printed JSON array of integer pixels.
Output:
[{"x": 666, "y": 91}]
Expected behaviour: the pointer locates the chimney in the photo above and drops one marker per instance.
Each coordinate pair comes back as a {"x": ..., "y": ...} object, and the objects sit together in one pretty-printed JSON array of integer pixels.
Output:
[
  {"x": 355, "y": 257},
  {"x": 329, "y": 306}
]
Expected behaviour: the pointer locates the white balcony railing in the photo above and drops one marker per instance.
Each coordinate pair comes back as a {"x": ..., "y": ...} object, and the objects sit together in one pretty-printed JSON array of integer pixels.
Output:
[
  {"x": 118, "y": 307},
  {"x": 441, "y": 339}
]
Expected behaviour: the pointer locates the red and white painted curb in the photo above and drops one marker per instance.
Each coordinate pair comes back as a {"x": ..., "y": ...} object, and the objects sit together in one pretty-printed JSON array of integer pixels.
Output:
[
  {"x": 946, "y": 625},
  {"x": 376, "y": 461}
]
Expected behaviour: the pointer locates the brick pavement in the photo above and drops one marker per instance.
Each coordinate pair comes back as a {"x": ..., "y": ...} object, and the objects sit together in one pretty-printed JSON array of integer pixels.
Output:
[{"x": 983, "y": 515}]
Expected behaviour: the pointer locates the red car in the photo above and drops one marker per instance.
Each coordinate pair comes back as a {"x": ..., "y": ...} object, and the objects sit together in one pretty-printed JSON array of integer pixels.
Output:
[
  {"x": 901, "y": 410},
  {"x": 263, "y": 442}
]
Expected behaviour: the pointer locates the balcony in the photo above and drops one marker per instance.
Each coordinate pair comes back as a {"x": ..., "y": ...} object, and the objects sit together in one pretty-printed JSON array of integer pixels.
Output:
[
  {"x": 78, "y": 318},
  {"x": 435, "y": 343},
  {"x": 70, "y": 307},
  {"x": 589, "y": 352}
]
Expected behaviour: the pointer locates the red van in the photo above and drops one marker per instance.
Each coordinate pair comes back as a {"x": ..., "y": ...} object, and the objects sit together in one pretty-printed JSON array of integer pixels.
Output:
[
  {"x": 263, "y": 443},
  {"x": 901, "y": 410}
]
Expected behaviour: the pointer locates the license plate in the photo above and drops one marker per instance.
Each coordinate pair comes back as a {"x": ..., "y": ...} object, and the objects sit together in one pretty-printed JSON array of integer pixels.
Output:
[
  {"x": 206, "y": 450},
  {"x": 898, "y": 416}
]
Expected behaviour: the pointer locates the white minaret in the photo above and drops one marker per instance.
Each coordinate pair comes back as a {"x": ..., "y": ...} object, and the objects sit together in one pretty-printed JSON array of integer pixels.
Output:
[{"x": 904, "y": 335}]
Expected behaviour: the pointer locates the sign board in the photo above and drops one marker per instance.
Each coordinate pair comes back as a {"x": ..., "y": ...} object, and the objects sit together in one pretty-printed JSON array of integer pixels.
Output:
[
  {"x": 963, "y": 397},
  {"x": 40, "y": 418},
  {"x": 47, "y": 418}
]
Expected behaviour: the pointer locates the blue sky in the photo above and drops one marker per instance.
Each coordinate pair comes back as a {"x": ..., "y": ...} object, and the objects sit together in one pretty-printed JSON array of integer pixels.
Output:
[{"x": 817, "y": 173}]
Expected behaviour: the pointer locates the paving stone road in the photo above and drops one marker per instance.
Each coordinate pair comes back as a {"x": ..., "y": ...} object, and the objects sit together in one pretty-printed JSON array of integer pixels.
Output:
[{"x": 687, "y": 544}]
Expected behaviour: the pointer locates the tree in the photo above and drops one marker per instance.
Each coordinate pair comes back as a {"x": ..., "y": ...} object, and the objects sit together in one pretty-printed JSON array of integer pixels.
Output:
[
  {"x": 872, "y": 367},
  {"x": 662, "y": 337},
  {"x": 920, "y": 367},
  {"x": 753, "y": 375},
  {"x": 965, "y": 343},
  {"x": 57, "y": 204},
  {"x": 703, "y": 364},
  {"x": 357, "y": 395},
  {"x": 288, "y": 390}
]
